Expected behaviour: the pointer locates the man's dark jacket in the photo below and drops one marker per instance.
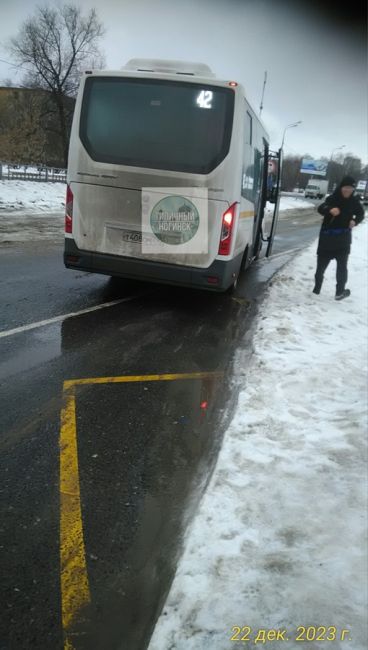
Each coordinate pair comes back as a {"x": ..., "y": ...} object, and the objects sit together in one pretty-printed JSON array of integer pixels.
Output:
[{"x": 335, "y": 234}]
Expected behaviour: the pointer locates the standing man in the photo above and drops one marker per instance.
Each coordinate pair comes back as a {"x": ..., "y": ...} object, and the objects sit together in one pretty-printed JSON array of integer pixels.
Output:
[{"x": 341, "y": 212}]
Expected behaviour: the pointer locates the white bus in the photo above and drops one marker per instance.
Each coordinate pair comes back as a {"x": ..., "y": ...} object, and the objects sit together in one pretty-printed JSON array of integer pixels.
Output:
[{"x": 163, "y": 124}]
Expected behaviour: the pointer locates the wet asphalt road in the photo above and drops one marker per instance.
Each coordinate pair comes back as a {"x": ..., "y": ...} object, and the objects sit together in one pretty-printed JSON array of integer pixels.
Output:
[{"x": 145, "y": 448}]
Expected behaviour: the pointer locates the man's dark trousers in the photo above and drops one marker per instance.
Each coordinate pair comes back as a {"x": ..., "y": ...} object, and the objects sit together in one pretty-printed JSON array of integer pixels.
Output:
[{"x": 341, "y": 271}]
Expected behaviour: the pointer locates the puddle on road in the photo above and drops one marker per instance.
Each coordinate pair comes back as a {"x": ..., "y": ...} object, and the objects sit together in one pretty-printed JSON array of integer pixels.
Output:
[
  {"x": 146, "y": 450},
  {"x": 37, "y": 347}
]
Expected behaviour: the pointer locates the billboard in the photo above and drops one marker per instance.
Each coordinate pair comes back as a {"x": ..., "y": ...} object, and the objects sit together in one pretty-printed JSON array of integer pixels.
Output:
[
  {"x": 361, "y": 185},
  {"x": 315, "y": 167}
]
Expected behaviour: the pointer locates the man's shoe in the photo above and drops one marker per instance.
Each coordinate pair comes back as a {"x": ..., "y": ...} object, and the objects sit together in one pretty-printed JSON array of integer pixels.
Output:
[
  {"x": 316, "y": 290},
  {"x": 344, "y": 294}
]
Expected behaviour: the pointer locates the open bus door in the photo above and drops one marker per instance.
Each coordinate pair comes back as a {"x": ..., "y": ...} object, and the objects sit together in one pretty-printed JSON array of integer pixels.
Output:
[
  {"x": 265, "y": 226},
  {"x": 273, "y": 194}
]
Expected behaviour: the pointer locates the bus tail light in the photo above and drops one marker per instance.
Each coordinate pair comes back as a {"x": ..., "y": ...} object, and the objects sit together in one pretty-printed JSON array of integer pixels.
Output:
[
  {"x": 69, "y": 210},
  {"x": 228, "y": 219}
]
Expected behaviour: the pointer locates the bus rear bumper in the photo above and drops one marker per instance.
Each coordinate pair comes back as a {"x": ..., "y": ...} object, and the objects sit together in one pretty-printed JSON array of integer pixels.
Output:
[{"x": 219, "y": 276}]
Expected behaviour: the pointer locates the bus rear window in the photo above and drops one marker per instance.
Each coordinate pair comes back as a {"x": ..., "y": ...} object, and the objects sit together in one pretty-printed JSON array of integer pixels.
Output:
[{"x": 159, "y": 124}]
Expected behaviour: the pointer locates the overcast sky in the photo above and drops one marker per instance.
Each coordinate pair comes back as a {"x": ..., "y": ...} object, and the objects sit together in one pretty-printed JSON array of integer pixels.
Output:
[{"x": 315, "y": 57}]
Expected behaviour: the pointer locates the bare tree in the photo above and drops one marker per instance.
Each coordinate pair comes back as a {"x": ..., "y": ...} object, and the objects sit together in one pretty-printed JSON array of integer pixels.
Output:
[
  {"x": 364, "y": 172},
  {"x": 56, "y": 45},
  {"x": 290, "y": 173},
  {"x": 352, "y": 165},
  {"x": 21, "y": 139}
]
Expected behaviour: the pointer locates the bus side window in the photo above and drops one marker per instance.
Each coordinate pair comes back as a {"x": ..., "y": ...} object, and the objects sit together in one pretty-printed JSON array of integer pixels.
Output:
[
  {"x": 248, "y": 128},
  {"x": 257, "y": 174},
  {"x": 257, "y": 169},
  {"x": 247, "y": 186}
]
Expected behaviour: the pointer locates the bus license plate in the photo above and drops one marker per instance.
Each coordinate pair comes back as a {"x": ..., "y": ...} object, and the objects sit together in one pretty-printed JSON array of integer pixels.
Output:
[{"x": 132, "y": 236}]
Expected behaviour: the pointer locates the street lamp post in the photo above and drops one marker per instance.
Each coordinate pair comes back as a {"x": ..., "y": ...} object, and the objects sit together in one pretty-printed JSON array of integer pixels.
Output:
[
  {"x": 330, "y": 161},
  {"x": 336, "y": 149},
  {"x": 289, "y": 126}
]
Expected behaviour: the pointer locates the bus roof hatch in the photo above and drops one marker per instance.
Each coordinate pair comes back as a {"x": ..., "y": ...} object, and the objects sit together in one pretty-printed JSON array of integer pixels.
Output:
[{"x": 170, "y": 67}]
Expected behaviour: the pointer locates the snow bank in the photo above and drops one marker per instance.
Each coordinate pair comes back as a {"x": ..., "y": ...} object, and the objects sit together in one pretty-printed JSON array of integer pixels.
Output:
[
  {"x": 32, "y": 196},
  {"x": 279, "y": 539}
]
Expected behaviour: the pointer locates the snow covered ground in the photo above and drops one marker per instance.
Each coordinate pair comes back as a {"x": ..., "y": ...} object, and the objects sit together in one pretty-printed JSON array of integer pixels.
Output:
[
  {"x": 31, "y": 210},
  {"x": 32, "y": 196},
  {"x": 279, "y": 540},
  {"x": 295, "y": 203}
]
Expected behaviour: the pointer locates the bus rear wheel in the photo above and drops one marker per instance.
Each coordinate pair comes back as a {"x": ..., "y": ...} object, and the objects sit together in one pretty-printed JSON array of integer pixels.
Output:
[
  {"x": 257, "y": 248},
  {"x": 232, "y": 287}
]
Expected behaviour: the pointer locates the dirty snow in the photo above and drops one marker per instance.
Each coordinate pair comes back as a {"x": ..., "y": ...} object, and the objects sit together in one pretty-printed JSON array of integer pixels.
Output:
[
  {"x": 31, "y": 211},
  {"x": 295, "y": 203},
  {"x": 24, "y": 227},
  {"x": 279, "y": 540},
  {"x": 32, "y": 196}
]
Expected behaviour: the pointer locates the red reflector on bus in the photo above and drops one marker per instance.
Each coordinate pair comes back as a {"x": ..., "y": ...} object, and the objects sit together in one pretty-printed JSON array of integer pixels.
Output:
[
  {"x": 72, "y": 259},
  {"x": 68, "y": 223},
  {"x": 69, "y": 210},
  {"x": 212, "y": 279}
]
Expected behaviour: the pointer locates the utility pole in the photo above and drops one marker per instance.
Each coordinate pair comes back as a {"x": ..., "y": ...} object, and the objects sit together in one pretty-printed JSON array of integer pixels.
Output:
[
  {"x": 263, "y": 92},
  {"x": 329, "y": 173},
  {"x": 289, "y": 126}
]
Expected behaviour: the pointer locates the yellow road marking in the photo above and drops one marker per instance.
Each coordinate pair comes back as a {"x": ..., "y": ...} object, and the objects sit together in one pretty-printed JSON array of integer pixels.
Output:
[
  {"x": 131, "y": 378},
  {"x": 75, "y": 592},
  {"x": 73, "y": 569}
]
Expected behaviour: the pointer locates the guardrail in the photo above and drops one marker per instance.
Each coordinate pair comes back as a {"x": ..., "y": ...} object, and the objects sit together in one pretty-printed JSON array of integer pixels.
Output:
[{"x": 45, "y": 176}]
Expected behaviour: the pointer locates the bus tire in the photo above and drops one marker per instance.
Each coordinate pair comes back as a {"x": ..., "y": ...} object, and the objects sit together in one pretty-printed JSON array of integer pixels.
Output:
[
  {"x": 257, "y": 248},
  {"x": 232, "y": 287},
  {"x": 245, "y": 260}
]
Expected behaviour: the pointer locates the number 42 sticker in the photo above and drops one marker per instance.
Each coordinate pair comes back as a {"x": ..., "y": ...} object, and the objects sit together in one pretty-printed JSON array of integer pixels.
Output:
[{"x": 204, "y": 99}]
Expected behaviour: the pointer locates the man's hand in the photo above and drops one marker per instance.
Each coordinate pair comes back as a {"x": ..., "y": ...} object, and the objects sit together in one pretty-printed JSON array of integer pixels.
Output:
[
  {"x": 352, "y": 223},
  {"x": 335, "y": 212}
]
